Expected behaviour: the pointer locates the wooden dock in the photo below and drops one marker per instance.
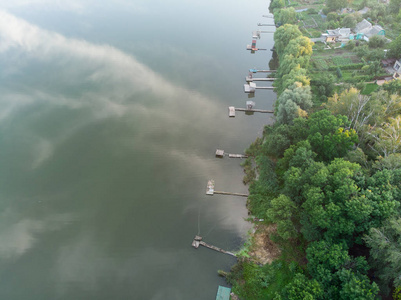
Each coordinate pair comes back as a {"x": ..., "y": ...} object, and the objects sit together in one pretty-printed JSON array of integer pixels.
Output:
[
  {"x": 231, "y": 194},
  {"x": 232, "y": 110},
  {"x": 261, "y": 71},
  {"x": 251, "y": 87},
  {"x": 198, "y": 242},
  {"x": 250, "y": 79},
  {"x": 220, "y": 153},
  {"x": 260, "y": 24},
  {"x": 255, "y": 110},
  {"x": 210, "y": 190}
]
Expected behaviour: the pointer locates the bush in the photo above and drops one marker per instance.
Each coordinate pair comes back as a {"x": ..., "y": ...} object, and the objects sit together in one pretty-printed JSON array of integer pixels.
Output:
[
  {"x": 347, "y": 67},
  {"x": 312, "y": 11},
  {"x": 339, "y": 73},
  {"x": 377, "y": 41}
]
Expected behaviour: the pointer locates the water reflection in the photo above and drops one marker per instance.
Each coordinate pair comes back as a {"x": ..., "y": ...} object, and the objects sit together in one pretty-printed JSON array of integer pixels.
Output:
[{"x": 104, "y": 163}]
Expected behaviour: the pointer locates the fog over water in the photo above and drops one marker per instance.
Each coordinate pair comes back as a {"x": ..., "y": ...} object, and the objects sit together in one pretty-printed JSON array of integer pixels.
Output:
[{"x": 110, "y": 115}]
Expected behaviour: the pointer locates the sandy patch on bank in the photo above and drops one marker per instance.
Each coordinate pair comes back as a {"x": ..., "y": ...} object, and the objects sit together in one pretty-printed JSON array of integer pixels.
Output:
[{"x": 263, "y": 250}]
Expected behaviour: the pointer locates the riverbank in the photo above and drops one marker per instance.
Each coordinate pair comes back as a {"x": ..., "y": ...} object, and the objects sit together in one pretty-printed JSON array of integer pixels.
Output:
[{"x": 327, "y": 175}]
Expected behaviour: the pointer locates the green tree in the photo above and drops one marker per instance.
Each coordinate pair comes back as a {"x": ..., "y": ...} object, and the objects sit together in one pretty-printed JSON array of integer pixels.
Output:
[
  {"x": 377, "y": 41},
  {"x": 296, "y": 74},
  {"x": 293, "y": 103},
  {"x": 276, "y": 4},
  {"x": 332, "y": 16},
  {"x": 328, "y": 136},
  {"x": 335, "y": 4},
  {"x": 341, "y": 276},
  {"x": 322, "y": 86},
  {"x": 339, "y": 73},
  {"x": 286, "y": 16},
  {"x": 395, "y": 6},
  {"x": 393, "y": 87},
  {"x": 395, "y": 48},
  {"x": 391, "y": 162},
  {"x": 385, "y": 244},
  {"x": 386, "y": 139},
  {"x": 349, "y": 21},
  {"x": 283, "y": 36},
  {"x": 282, "y": 211},
  {"x": 303, "y": 288}
]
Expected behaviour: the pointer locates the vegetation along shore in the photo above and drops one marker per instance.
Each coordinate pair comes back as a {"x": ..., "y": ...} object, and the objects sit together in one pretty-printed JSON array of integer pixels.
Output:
[{"x": 325, "y": 178}]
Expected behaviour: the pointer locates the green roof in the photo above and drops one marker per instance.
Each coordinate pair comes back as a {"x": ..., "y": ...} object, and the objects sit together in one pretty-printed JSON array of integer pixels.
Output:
[{"x": 223, "y": 293}]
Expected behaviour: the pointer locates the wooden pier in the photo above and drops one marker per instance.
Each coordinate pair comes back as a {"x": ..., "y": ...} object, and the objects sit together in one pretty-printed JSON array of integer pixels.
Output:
[
  {"x": 264, "y": 87},
  {"x": 232, "y": 109},
  {"x": 210, "y": 190},
  {"x": 261, "y": 71},
  {"x": 198, "y": 242},
  {"x": 251, "y": 87},
  {"x": 260, "y": 24},
  {"x": 250, "y": 79},
  {"x": 231, "y": 194},
  {"x": 220, "y": 153}
]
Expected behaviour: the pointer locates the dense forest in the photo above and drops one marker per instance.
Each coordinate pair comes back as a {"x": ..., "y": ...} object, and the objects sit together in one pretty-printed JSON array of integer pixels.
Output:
[{"x": 327, "y": 177}]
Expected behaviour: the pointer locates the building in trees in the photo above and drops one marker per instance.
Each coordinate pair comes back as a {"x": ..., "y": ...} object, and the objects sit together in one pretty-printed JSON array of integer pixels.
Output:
[
  {"x": 397, "y": 69},
  {"x": 368, "y": 30}
]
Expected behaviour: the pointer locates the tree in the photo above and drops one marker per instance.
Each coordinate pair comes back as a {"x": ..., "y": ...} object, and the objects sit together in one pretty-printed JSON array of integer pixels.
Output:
[
  {"x": 328, "y": 137},
  {"x": 282, "y": 211},
  {"x": 339, "y": 73},
  {"x": 393, "y": 87},
  {"x": 395, "y": 48},
  {"x": 295, "y": 74},
  {"x": 300, "y": 47},
  {"x": 286, "y": 16},
  {"x": 276, "y": 4},
  {"x": 303, "y": 288},
  {"x": 332, "y": 16},
  {"x": 283, "y": 36},
  {"x": 341, "y": 276},
  {"x": 377, "y": 41},
  {"x": 323, "y": 86},
  {"x": 359, "y": 109},
  {"x": 395, "y": 6},
  {"x": 349, "y": 21},
  {"x": 333, "y": 5},
  {"x": 391, "y": 162},
  {"x": 293, "y": 103},
  {"x": 386, "y": 139},
  {"x": 385, "y": 244}
]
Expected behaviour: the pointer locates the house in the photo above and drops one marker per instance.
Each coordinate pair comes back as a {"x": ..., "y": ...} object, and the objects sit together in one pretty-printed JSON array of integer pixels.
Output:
[
  {"x": 397, "y": 68},
  {"x": 338, "y": 35},
  {"x": 376, "y": 30},
  {"x": 363, "y": 27},
  {"x": 364, "y": 10},
  {"x": 366, "y": 30},
  {"x": 346, "y": 11}
]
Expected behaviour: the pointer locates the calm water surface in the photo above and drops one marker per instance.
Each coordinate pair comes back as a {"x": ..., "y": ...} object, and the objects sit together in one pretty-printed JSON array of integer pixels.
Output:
[{"x": 109, "y": 118}]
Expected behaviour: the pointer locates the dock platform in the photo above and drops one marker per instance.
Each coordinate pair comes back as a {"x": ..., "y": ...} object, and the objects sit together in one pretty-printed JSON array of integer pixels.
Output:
[
  {"x": 198, "y": 242},
  {"x": 220, "y": 153},
  {"x": 210, "y": 190},
  {"x": 250, "y": 79},
  {"x": 223, "y": 293},
  {"x": 232, "y": 111}
]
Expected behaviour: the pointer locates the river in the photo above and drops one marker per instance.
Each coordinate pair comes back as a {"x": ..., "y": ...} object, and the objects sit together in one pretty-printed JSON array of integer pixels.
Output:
[{"x": 110, "y": 115}]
